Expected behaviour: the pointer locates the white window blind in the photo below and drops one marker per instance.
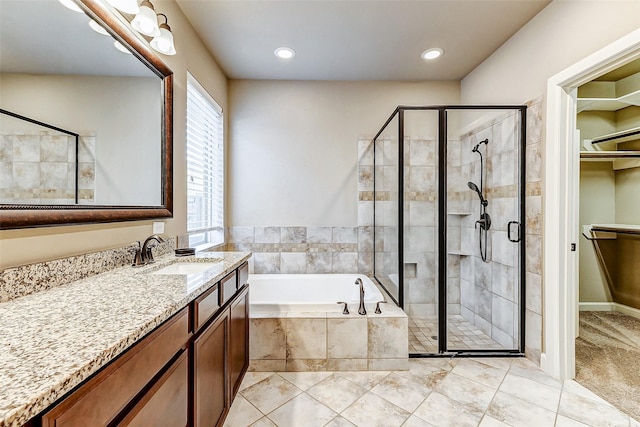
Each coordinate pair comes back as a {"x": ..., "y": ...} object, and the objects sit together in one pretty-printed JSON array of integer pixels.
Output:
[{"x": 205, "y": 167}]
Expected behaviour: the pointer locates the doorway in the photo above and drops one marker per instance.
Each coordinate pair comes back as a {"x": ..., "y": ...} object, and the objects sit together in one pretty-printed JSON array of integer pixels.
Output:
[{"x": 561, "y": 205}]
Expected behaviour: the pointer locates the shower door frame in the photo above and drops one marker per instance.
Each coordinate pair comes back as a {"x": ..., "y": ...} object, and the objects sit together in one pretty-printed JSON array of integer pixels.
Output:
[{"x": 443, "y": 351}]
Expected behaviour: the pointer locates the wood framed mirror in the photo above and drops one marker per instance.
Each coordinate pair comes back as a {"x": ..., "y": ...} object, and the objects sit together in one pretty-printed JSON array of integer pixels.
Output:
[{"x": 129, "y": 158}]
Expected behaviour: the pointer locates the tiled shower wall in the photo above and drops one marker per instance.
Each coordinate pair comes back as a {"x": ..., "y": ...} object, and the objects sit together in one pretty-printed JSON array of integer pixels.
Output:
[{"x": 39, "y": 167}]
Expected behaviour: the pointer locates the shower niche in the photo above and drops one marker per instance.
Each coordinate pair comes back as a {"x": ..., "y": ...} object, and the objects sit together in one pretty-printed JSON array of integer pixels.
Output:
[{"x": 449, "y": 215}]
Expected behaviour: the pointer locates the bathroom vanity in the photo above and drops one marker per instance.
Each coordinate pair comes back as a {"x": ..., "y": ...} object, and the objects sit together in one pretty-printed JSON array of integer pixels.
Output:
[{"x": 144, "y": 346}]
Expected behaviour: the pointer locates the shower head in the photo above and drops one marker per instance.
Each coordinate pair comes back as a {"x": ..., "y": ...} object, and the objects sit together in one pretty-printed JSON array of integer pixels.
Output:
[
  {"x": 475, "y": 188},
  {"x": 484, "y": 141}
]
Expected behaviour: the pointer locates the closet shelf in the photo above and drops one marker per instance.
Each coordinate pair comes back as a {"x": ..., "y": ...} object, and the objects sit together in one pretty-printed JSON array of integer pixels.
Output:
[
  {"x": 608, "y": 155},
  {"x": 618, "y": 137},
  {"x": 608, "y": 231}
]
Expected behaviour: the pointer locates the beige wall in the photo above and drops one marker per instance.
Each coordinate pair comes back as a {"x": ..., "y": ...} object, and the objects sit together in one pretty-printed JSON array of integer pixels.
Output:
[
  {"x": 39, "y": 244},
  {"x": 293, "y": 151},
  {"x": 563, "y": 33},
  {"x": 94, "y": 103}
]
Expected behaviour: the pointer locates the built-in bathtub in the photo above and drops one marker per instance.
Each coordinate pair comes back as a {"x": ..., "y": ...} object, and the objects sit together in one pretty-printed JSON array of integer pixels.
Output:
[
  {"x": 297, "y": 325},
  {"x": 310, "y": 292}
]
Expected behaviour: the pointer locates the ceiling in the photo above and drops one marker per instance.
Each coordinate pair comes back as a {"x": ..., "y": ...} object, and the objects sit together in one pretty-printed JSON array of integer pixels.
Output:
[{"x": 355, "y": 40}]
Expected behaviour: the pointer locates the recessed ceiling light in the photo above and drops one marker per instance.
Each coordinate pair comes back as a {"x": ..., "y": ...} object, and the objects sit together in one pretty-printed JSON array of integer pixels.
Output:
[
  {"x": 98, "y": 28},
  {"x": 432, "y": 53},
  {"x": 284, "y": 53},
  {"x": 70, "y": 4}
]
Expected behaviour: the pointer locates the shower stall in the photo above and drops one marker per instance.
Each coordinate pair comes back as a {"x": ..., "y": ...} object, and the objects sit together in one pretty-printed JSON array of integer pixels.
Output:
[{"x": 449, "y": 218}]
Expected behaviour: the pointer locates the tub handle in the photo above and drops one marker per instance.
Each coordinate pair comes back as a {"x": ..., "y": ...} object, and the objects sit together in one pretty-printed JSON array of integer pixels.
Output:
[
  {"x": 378, "y": 311},
  {"x": 346, "y": 308}
]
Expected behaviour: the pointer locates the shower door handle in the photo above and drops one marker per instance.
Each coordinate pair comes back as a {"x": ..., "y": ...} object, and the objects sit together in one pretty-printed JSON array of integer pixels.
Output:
[{"x": 509, "y": 228}]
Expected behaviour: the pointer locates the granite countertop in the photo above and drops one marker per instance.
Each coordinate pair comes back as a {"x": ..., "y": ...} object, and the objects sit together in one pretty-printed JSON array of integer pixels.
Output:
[{"x": 53, "y": 340}]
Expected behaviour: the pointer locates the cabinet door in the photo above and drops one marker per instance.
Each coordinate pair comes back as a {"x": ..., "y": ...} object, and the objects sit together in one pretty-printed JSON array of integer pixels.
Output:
[
  {"x": 239, "y": 340},
  {"x": 210, "y": 382},
  {"x": 166, "y": 403}
]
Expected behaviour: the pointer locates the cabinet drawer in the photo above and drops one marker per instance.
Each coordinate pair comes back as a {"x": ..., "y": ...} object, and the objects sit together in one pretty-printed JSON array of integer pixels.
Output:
[
  {"x": 204, "y": 306},
  {"x": 243, "y": 274},
  {"x": 229, "y": 286},
  {"x": 166, "y": 402},
  {"x": 103, "y": 397}
]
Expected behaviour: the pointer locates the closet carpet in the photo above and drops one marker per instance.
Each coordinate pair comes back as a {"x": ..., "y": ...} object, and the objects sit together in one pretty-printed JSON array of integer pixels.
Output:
[{"x": 608, "y": 358}]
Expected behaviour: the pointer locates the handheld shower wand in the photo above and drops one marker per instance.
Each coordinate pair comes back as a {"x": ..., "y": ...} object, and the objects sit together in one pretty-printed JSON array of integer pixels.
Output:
[{"x": 475, "y": 188}]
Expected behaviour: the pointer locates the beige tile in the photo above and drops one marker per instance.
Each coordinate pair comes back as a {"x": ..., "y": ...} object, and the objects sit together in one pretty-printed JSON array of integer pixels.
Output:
[
  {"x": 263, "y": 422},
  {"x": 574, "y": 387},
  {"x": 373, "y": 411},
  {"x": 439, "y": 410},
  {"x": 488, "y": 421},
  {"x": 270, "y": 393},
  {"x": 387, "y": 337},
  {"x": 531, "y": 391},
  {"x": 414, "y": 421},
  {"x": 428, "y": 372},
  {"x": 251, "y": 378},
  {"x": 401, "y": 392},
  {"x": 302, "y": 410},
  {"x": 517, "y": 412},
  {"x": 306, "y": 338},
  {"x": 590, "y": 411},
  {"x": 268, "y": 365},
  {"x": 367, "y": 380},
  {"x": 347, "y": 338},
  {"x": 562, "y": 421},
  {"x": 267, "y": 339},
  {"x": 304, "y": 380},
  {"x": 527, "y": 369},
  {"x": 466, "y": 391},
  {"x": 242, "y": 413},
  {"x": 479, "y": 372},
  {"x": 347, "y": 364},
  {"x": 401, "y": 364},
  {"x": 336, "y": 392},
  {"x": 306, "y": 365},
  {"x": 339, "y": 422}
]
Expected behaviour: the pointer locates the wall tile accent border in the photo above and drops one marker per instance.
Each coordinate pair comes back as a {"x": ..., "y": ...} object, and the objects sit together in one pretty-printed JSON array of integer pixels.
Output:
[{"x": 31, "y": 278}]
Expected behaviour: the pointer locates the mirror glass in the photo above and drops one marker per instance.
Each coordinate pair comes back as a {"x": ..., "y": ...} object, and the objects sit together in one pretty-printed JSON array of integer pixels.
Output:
[{"x": 83, "y": 124}]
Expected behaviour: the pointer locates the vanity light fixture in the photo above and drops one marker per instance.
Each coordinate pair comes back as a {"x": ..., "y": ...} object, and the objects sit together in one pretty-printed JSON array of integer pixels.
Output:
[
  {"x": 97, "y": 28},
  {"x": 146, "y": 21},
  {"x": 284, "y": 53},
  {"x": 164, "y": 42},
  {"x": 70, "y": 4},
  {"x": 127, "y": 6},
  {"x": 121, "y": 48},
  {"x": 432, "y": 53}
]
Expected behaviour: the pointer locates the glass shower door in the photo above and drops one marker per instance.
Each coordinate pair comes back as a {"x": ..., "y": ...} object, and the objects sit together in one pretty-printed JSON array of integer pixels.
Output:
[{"x": 484, "y": 172}]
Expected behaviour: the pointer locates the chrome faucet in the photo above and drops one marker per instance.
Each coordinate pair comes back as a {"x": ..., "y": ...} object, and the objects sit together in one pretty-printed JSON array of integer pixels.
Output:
[
  {"x": 361, "y": 310},
  {"x": 143, "y": 254}
]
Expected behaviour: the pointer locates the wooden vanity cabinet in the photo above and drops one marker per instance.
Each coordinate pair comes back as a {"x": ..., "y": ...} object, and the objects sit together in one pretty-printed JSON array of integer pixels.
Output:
[
  {"x": 185, "y": 373},
  {"x": 211, "y": 400}
]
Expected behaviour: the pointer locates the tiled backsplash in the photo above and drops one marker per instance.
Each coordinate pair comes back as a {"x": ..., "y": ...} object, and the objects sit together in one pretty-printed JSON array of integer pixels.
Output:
[
  {"x": 291, "y": 250},
  {"x": 27, "y": 279}
]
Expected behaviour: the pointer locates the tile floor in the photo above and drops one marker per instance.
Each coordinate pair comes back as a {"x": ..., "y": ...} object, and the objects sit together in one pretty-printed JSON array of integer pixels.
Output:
[
  {"x": 433, "y": 392},
  {"x": 462, "y": 335}
]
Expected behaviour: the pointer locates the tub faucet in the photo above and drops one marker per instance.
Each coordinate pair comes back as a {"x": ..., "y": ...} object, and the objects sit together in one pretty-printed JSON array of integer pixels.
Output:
[
  {"x": 361, "y": 310},
  {"x": 144, "y": 255}
]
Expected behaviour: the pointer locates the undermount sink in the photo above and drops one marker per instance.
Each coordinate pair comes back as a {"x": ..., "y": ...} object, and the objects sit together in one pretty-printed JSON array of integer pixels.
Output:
[{"x": 186, "y": 268}]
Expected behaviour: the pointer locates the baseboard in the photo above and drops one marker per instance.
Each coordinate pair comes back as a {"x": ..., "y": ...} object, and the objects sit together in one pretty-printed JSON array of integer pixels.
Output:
[{"x": 609, "y": 306}]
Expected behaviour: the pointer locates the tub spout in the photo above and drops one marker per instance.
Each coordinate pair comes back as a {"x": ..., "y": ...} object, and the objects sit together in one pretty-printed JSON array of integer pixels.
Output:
[{"x": 361, "y": 310}]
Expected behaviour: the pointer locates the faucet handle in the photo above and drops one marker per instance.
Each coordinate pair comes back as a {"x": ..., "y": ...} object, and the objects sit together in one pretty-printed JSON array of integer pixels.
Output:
[
  {"x": 377, "y": 310},
  {"x": 137, "y": 258},
  {"x": 346, "y": 308}
]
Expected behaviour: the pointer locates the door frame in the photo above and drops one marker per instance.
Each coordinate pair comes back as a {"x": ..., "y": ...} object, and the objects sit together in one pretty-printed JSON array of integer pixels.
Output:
[{"x": 561, "y": 180}]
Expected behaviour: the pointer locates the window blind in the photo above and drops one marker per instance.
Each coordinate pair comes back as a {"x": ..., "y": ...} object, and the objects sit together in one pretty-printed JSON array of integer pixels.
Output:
[{"x": 205, "y": 166}]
